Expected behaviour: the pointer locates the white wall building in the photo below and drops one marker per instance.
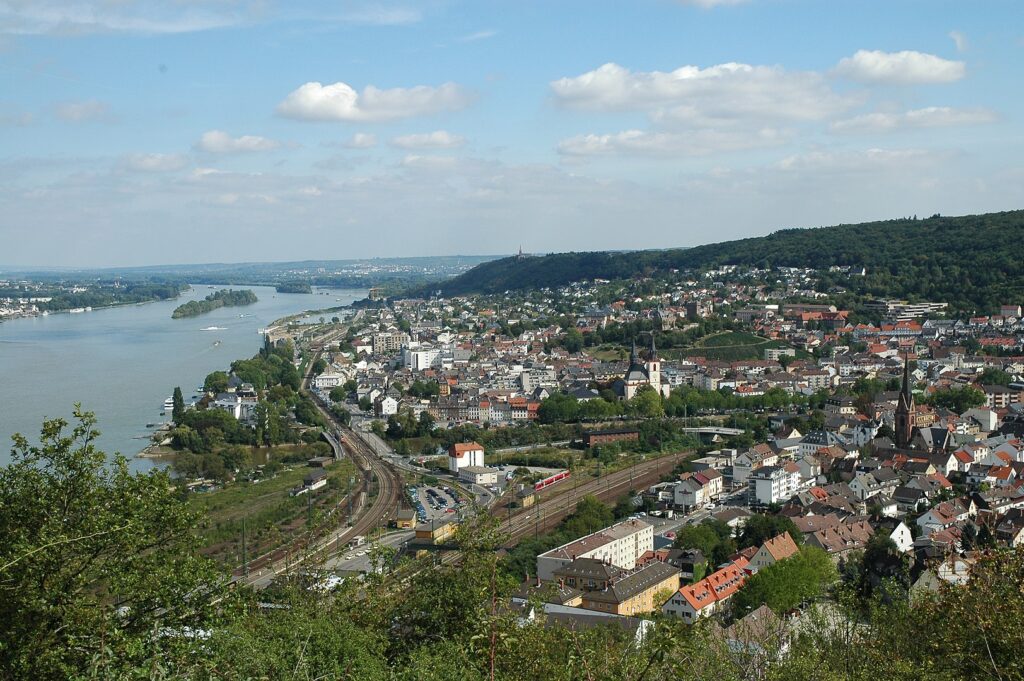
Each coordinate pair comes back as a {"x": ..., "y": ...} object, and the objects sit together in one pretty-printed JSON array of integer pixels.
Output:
[{"x": 621, "y": 545}]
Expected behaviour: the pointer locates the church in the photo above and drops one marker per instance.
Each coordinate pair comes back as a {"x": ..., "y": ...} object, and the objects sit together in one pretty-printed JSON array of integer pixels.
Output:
[{"x": 640, "y": 374}]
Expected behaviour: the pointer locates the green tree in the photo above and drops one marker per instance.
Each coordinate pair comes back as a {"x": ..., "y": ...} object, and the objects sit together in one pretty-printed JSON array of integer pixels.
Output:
[
  {"x": 178, "y": 410},
  {"x": 786, "y": 584},
  {"x": 93, "y": 556},
  {"x": 216, "y": 382},
  {"x": 760, "y": 528},
  {"x": 338, "y": 394}
]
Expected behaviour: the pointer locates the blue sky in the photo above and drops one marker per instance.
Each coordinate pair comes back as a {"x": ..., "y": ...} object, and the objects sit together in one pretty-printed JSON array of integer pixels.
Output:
[{"x": 143, "y": 132}]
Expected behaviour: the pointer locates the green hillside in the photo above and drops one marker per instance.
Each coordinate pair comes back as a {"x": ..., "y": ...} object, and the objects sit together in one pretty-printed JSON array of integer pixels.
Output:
[{"x": 970, "y": 261}]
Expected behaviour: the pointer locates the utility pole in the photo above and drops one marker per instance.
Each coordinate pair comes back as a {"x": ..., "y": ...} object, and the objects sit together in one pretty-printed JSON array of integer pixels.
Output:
[{"x": 245, "y": 555}]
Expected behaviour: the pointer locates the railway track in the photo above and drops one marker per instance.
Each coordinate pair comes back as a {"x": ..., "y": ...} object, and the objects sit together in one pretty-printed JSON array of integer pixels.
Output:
[
  {"x": 546, "y": 514},
  {"x": 375, "y": 501}
]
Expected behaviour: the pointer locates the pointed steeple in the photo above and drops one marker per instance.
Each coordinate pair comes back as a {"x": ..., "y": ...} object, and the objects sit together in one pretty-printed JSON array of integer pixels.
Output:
[
  {"x": 634, "y": 357},
  {"x": 906, "y": 376},
  {"x": 653, "y": 350},
  {"x": 903, "y": 422}
]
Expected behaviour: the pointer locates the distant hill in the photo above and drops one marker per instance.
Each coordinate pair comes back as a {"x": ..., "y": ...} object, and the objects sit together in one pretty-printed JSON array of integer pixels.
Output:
[{"x": 971, "y": 261}]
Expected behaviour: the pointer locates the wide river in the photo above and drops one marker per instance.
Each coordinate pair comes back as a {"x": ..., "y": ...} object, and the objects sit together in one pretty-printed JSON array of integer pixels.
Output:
[{"x": 123, "y": 362}]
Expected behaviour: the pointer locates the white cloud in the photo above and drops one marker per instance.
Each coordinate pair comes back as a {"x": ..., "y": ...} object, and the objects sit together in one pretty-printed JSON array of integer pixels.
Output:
[
  {"x": 856, "y": 161},
  {"x": 929, "y": 117},
  {"x": 959, "y": 39},
  {"x": 380, "y": 15},
  {"x": 439, "y": 139},
  {"x": 693, "y": 95},
  {"x": 105, "y": 16},
  {"x": 155, "y": 163},
  {"x": 670, "y": 144},
  {"x": 362, "y": 140},
  {"x": 708, "y": 4},
  {"x": 899, "y": 68},
  {"x": 341, "y": 102},
  {"x": 219, "y": 142},
  {"x": 429, "y": 162},
  {"x": 80, "y": 112},
  {"x": 82, "y": 17},
  {"x": 479, "y": 35}
]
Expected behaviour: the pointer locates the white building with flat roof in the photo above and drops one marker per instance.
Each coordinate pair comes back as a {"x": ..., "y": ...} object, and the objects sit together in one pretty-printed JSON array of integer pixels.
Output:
[{"x": 621, "y": 545}]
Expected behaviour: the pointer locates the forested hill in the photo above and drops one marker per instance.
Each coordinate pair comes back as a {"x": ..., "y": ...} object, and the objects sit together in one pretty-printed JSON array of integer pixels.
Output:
[{"x": 971, "y": 261}]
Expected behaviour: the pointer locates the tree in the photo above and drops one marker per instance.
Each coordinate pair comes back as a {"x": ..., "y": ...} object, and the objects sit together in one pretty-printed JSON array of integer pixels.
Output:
[
  {"x": 647, "y": 403},
  {"x": 91, "y": 556},
  {"x": 994, "y": 376},
  {"x": 957, "y": 400},
  {"x": 559, "y": 408},
  {"x": 216, "y": 382},
  {"x": 338, "y": 394},
  {"x": 786, "y": 584},
  {"x": 178, "y": 410},
  {"x": 760, "y": 528},
  {"x": 573, "y": 341}
]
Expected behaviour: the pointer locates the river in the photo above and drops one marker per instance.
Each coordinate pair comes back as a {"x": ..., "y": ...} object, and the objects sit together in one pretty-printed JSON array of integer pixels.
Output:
[{"x": 123, "y": 362}]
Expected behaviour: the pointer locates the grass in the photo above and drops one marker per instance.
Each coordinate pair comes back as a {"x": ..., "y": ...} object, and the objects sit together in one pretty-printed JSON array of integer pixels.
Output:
[{"x": 267, "y": 508}]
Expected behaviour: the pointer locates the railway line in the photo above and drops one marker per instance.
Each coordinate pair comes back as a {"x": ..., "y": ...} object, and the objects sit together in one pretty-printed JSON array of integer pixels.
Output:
[
  {"x": 547, "y": 513},
  {"x": 374, "y": 502}
]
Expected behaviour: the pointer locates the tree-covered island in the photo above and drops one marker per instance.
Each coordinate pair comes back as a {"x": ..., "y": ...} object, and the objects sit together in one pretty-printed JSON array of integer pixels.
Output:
[{"x": 222, "y": 298}]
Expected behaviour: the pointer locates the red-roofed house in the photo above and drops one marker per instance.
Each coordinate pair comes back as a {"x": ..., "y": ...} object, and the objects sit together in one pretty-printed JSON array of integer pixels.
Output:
[
  {"x": 464, "y": 454},
  {"x": 772, "y": 551},
  {"x": 703, "y": 598}
]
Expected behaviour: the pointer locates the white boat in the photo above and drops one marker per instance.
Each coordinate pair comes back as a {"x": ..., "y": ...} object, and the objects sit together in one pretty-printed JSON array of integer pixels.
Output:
[
  {"x": 214, "y": 328},
  {"x": 169, "y": 404}
]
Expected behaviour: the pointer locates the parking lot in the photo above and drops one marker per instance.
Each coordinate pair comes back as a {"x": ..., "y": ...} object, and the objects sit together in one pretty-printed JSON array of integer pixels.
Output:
[{"x": 433, "y": 503}]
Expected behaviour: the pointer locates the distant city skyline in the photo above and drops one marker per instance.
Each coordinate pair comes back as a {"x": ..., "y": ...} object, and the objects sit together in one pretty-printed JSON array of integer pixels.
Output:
[{"x": 142, "y": 132}]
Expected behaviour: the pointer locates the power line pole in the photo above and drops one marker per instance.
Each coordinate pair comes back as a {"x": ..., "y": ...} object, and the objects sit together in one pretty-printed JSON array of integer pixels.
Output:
[{"x": 245, "y": 554}]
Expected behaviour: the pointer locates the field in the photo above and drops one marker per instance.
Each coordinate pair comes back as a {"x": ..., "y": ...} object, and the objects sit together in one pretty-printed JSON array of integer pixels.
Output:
[
  {"x": 271, "y": 515},
  {"x": 727, "y": 346}
]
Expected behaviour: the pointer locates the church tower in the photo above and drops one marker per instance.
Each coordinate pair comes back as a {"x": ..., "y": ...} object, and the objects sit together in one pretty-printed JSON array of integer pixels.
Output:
[
  {"x": 903, "y": 423},
  {"x": 654, "y": 367}
]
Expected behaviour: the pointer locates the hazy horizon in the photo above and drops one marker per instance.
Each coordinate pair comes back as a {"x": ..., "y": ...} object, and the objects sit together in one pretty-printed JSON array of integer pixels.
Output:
[{"x": 139, "y": 131}]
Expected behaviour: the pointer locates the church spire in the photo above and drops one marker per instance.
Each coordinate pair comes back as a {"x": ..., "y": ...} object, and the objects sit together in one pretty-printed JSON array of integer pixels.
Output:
[
  {"x": 653, "y": 350},
  {"x": 634, "y": 358},
  {"x": 903, "y": 419}
]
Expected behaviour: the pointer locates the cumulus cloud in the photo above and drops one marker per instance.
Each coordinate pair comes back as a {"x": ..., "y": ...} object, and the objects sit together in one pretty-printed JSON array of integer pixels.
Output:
[
  {"x": 439, "y": 139},
  {"x": 219, "y": 142},
  {"x": 928, "y": 117},
  {"x": 362, "y": 140},
  {"x": 899, "y": 68},
  {"x": 155, "y": 163},
  {"x": 80, "y": 112},
  {"x": 670, "y": 144},
  {"x": 341, "y": 102},
  {"x": 693, "y": 95}
]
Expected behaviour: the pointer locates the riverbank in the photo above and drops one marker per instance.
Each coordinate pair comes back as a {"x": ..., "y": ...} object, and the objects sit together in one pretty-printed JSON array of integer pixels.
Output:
[{"x": 123, "y": 362}]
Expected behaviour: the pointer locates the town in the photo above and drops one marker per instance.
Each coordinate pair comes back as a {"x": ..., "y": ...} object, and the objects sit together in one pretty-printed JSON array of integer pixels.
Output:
[{"x": 772, "y": 435}]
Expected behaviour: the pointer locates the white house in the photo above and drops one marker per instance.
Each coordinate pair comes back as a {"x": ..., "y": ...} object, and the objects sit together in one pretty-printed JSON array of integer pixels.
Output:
[
  {"x": 464, "y": 454},
  {"x": 774, "y": 484}
]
